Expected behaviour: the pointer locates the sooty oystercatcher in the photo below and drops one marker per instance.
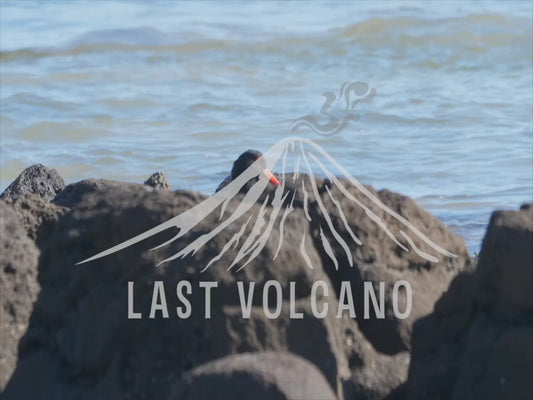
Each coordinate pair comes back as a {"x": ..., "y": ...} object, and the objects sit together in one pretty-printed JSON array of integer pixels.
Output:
[{"x": 244, "y": 161}]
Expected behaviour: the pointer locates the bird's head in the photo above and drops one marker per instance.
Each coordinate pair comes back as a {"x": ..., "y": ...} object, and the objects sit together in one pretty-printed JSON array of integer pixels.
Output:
[{"x": 248, "y": 158}]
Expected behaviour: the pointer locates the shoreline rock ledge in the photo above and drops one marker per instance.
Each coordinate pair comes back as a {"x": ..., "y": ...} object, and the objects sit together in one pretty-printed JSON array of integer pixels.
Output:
[{"x": 75, "y": 341}]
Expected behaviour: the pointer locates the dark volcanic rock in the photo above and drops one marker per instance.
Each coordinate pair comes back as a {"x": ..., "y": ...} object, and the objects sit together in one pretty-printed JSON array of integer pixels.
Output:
[
  {"x": 373, "y": 375},
  {"x": 379, "y": 259},
  {"x": 18, "y": 287},
  {"x": 36, "y": 214},
  {"x": 505, "y": 270},
  {"x": 263, "y": 376},
  {"x": 82, "y": 345},
  {"x": 478, "y": 342},
  {"x": 158, "y": 181},
  {"x": 317, "y": 340},
  {"x": 73, "y": 194},
  {"x": 36, "y": 179},
  {"x": 80, "y": 301}
]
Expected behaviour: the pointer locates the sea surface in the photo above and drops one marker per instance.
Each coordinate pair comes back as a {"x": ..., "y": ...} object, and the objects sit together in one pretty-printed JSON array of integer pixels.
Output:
[{"x": 119, "y": 90}]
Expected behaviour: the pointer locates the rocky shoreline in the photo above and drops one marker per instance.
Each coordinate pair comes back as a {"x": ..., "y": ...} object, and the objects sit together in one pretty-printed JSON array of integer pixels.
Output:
[{"x": 65, "y": 332}]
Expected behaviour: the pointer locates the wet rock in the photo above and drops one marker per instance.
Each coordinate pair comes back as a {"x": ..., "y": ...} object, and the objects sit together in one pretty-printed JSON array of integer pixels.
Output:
[
  {"x": 158, "y": 181},
  {"x": 18, "y": 287},
  {"x": 37, "y": 179},
  {"x": 478, "y": 342},
  {"x": 267, "y": 375}
]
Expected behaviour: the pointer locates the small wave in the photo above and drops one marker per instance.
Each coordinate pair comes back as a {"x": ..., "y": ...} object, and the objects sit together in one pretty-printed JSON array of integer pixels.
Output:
[
  {"x": 5, "y": 120},
  {"x": 39, "y": 101},
  {"x": 113, "y": 47},
  {"x": 142, "y": 36},
  {"x": 391, "y": 118},
  {"x": 492, "y": 19},
  {"x": 206, "y": 135},
  {"x": 379, "y": 25},
  {"x": 70, "y": 77},
  {"x": 376, "y": 32},
  {"x": 469, "y": 31},
  {"x": 109, "y": 161},
  {"x": 198, "y": 107},
  {"x": 128, "y": 103},
  {"x": 59, "y": 132}
]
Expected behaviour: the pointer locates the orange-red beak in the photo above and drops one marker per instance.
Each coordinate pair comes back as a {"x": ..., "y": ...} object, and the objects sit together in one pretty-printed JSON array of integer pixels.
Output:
[{"x": 271, "y": 178}]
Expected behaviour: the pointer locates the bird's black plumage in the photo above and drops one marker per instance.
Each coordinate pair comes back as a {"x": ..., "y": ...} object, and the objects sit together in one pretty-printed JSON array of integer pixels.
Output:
[
  {"x": 239, "y": 166},
  {"x": 244, "y": 161}
]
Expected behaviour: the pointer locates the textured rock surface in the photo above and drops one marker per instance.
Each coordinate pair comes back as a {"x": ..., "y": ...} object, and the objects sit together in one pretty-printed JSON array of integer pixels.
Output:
[
  {"x": 18, "y": 287},
  {"x": 81, "y": 345},
  {"x": 81, "y": 300},
  {"x": 37, "y": 179},
  {"x": 158, "y": 181},
  {"x": 478, "y": 343},
  {"x": 73, "y": 194},
  {"x": 36, "y": 214},
  {"x": 380, "y": 259},
  {"x": 263, "y": 376}
]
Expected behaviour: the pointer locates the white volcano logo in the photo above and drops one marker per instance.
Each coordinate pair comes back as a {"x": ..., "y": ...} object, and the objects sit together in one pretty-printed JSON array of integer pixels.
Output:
[{"x": 253, "y": 183}]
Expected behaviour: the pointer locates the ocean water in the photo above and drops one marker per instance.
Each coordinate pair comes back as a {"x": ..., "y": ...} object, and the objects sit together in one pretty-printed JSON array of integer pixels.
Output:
[{"x": 119, "y": 90}]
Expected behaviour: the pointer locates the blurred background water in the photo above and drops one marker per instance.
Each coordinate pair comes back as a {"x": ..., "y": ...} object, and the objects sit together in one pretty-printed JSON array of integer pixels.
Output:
[{"x": 119, "y": 90}]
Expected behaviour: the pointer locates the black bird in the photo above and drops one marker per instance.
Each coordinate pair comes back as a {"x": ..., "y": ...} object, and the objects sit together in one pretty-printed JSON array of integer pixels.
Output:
[{"x": 242, "y": 163}]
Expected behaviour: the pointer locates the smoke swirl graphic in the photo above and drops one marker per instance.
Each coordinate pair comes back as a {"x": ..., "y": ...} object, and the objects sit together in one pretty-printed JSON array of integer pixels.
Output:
[{"x": 360, "y": 91}]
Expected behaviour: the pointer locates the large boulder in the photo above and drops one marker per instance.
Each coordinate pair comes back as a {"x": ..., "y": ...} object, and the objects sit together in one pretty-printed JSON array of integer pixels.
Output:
[
  {"x": 379, "y": 259},
  {"x": 505, "y": 271},
  {"x": 36, "y": 214},
  {"x": 478, "y": 342},
  {"x": 81, "y": 343},
  {"x": 18, "y": 287},
  {"x": 37, "y": 179},
  {"x": 320, "y": 341},
  {"x": 373, "y": 375},
  {"x": 95, "y": 346},
  {"x": 269, "y": 376},
  {"x": 73, "y": 194}
]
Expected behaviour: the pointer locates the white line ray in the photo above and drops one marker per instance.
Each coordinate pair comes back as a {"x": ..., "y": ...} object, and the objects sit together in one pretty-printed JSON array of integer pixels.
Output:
[
  {"x": 343, "y": 217},
  {"x": 325, "y": 214},
  {"x": 306, "y": 197},
  {"x": 328, "y": 249},
  {"x": 233, "y": 241},
  {"x": 422, "y": 254},
  {"x": 304, "y": 254},
  {"x": 368, "y": 211}
]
